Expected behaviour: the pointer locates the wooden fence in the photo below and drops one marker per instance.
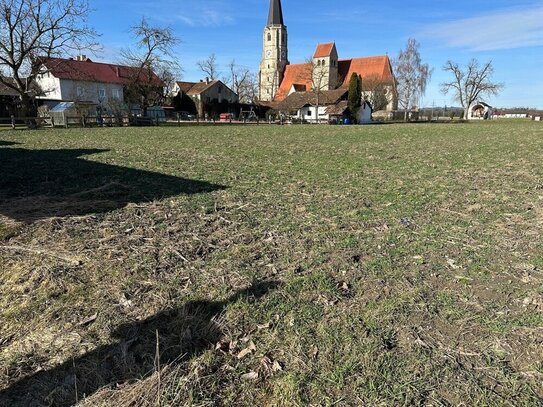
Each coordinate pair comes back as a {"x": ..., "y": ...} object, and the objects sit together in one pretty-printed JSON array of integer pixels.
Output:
[{"x": 67, "y": 121}]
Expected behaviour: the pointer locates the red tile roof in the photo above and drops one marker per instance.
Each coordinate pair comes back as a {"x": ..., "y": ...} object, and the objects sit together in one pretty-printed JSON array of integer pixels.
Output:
[
  {"x": 88, "y": 70},
  {"x": 324, "y": 50},
  {"x": 298, "y": 75},
  {"x": 378, "y": 67}
]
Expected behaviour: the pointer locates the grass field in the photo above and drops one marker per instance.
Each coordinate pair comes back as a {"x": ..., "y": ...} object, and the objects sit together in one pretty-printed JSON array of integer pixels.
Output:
[{"x": 391, "y": 265}]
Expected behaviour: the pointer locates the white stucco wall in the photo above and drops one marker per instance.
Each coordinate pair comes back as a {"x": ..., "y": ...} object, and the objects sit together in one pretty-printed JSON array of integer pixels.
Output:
[
  {"x": 364, "y": 114},
  {"x": 69, "y": 91},
  {"x": 308, "y": 113}
]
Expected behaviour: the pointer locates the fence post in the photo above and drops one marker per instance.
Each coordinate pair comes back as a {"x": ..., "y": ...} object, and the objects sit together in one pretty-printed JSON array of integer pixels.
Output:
[{"x": 13, "y": 122}]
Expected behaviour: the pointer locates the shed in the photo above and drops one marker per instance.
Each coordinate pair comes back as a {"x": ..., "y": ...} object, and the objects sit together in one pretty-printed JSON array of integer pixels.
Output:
[{"x": 61, "y": 112}]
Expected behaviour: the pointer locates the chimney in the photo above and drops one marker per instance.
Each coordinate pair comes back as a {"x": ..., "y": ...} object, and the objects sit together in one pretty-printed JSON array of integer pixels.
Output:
[
  {"x": 207, "y": 80},
  {"x": 81, "y": 58},
  {"x": 118, "y": 71}
]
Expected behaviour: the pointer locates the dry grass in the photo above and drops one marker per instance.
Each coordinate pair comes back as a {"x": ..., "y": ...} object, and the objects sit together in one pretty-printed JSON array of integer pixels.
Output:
[{"x": 404, "y": 266}]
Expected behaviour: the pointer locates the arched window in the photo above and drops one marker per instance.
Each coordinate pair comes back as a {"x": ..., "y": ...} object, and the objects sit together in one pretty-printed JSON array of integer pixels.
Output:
[
  {"x": 319, "y": 62},
  {"x": 323, "y": 62},
  {"x": 269, "y": 36}
]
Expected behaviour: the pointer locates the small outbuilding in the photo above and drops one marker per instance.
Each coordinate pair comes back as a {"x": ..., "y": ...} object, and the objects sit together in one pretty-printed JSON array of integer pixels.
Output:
[{"x": 480, "y": 111}]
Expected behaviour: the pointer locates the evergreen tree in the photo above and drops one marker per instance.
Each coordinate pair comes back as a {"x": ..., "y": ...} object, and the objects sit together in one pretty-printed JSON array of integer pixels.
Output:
[{"x": 355, "y": 95}]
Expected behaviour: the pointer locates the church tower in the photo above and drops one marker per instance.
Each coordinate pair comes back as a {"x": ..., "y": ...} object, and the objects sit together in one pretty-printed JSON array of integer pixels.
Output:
[{"x": 275, "y": 53}]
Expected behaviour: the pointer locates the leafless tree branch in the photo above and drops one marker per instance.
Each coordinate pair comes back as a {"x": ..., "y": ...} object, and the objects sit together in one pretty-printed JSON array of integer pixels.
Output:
[{"x": 471, "y": 83}]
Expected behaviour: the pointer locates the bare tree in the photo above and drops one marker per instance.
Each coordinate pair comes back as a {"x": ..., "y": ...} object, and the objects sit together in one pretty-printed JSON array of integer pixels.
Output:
[
  {"x": 31, "y": 29},
  {"x": 153, "y": 65},
  {"x": 209, "y": 67},
  {"x": 243, "y": 82},
  {"x": 470, "y": 83},
  {"x": 315, "y": 74},
  {"x": 412, "y": 76},
  {"x": 377, "y": 92}
]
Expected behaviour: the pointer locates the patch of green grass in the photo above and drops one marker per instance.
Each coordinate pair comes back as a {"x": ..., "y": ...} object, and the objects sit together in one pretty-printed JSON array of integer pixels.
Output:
[{"x": 120, "y": 234}]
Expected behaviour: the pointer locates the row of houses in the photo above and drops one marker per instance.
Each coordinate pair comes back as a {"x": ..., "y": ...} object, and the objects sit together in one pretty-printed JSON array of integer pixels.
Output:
[{"x": 95, "y": 88}]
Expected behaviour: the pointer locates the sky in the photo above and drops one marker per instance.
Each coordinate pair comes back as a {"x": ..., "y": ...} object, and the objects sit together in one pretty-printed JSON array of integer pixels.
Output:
[{"x": 508, "y": 33}]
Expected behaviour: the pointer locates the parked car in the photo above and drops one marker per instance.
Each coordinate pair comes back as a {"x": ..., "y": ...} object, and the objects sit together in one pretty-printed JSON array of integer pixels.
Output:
[{"x": 186, "y": 116}]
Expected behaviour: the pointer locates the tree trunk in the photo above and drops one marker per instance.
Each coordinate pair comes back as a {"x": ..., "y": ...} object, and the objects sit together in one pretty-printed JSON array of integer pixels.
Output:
[
  {"x": 27, "y": 108},
  {"x": 466, "y": 113}
]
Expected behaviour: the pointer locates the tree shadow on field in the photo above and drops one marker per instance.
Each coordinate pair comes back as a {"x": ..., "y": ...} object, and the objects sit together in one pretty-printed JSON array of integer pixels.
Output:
[
  {"x": 36, "y": 184},
  {"x": 183, "y": 333},
  {"x": 4, "y": 143}
]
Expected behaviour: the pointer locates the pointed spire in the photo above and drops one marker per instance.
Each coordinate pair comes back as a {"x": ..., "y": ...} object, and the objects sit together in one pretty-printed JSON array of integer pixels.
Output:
[{"x": 276, "y": 13}]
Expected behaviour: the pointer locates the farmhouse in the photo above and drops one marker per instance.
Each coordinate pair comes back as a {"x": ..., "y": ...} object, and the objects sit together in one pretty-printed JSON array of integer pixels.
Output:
[
  {"x": 210, "y": 98},
  {"x": 279, "y": 78},
  {"x": 96, "y": 86}
]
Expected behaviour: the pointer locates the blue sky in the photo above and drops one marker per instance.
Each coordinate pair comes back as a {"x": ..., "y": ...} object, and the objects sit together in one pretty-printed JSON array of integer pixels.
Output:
[{"x": 510, "y": 33}]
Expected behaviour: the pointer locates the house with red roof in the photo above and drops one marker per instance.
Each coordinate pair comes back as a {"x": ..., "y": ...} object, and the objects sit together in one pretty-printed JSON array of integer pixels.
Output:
[
  {"x": 86, "y": 82},
  {"x": 324, "y": 72}
]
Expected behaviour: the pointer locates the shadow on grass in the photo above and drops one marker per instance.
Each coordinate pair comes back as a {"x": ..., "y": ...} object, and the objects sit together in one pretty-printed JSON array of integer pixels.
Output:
[
  {"x": 36, "y": 184},
  {"x": 183, "y": 333},
  {"x": 4, "y": 143}
]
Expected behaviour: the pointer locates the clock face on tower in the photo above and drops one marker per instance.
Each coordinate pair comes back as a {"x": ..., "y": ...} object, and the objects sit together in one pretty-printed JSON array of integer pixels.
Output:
[{"x": 268, "y": 54}]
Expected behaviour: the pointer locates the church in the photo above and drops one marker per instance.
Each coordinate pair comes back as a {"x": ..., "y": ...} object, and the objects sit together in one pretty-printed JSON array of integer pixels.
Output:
[{"x": 325, "y": 74}]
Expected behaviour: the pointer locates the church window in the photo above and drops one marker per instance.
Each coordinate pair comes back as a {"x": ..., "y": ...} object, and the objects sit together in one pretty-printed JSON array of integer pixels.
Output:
[
  {"x": 269, "y": 37},
  {"x": 319, "y": 62},
  {"x": 323, "y": 62}
]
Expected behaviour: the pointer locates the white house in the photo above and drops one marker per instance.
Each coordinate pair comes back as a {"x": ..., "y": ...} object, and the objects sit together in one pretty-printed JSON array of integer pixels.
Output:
[
  {"x": 83, "y": 81},
  {"x": 211, "y": 97}
]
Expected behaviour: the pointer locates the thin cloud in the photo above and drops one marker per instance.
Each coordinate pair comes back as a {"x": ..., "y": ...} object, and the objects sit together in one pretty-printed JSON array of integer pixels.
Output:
[
  {"x": 205, "y": 17},
  {"x": 505, "y": 29}
]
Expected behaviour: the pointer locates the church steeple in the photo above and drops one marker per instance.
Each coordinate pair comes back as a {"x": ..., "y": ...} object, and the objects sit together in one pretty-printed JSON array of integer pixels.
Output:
[
  {"x": 275, "y": 16},
  {"x": 274, "y": 52}
]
